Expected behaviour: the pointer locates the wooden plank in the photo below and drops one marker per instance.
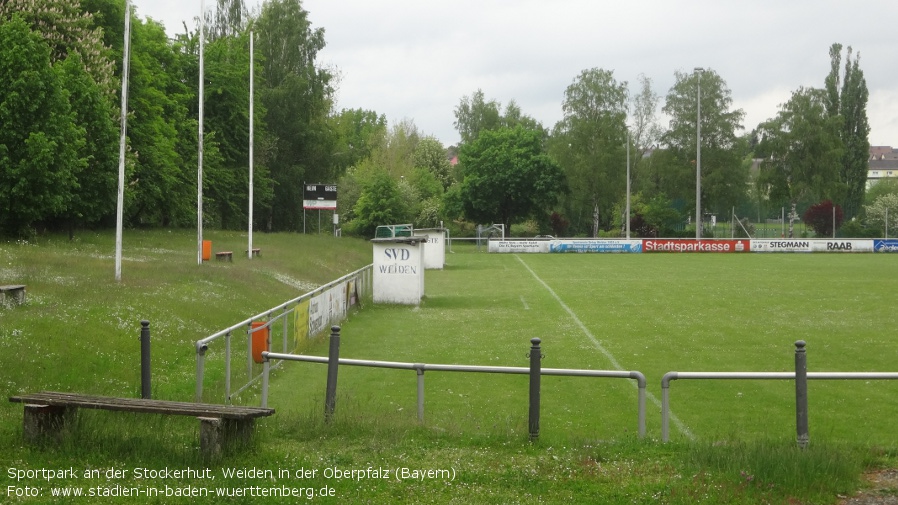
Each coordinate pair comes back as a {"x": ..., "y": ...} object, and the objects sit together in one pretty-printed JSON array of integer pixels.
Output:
[{"x": 143, "y": 405}]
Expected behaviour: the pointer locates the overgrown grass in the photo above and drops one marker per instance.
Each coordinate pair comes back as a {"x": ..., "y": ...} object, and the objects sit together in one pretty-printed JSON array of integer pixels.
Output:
[{"x": 652, "y": 313}]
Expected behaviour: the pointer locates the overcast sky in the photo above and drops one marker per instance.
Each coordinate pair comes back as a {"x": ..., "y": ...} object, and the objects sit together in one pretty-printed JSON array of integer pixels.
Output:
[{"x": 416, "y": 59}]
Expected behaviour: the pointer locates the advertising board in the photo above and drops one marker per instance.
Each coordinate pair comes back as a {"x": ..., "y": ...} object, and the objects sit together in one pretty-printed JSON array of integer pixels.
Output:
[
  {"x": 692, "y": 245},
  {"x": 885, "y": 245},
  {"x": 518, "y": 246},
  {"x": 600, "y": 246},
  {"x": 781, "y": 245},
  {"x": 842, "y": 245}
]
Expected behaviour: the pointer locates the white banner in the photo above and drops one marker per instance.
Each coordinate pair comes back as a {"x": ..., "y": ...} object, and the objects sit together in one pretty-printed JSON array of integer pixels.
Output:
[
  {"x": 326, "y": 309},
  {"x": 781, "y": 245},
  {"x": 518, "y": 246},
  {"x": 842, "y": 245}
]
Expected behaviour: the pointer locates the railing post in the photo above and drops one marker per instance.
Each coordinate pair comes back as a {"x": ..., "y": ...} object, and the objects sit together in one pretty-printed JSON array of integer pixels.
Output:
[
  {"x": 145, "y": 385},
  {"x": 266, "y": 371},
  {"x": 285, "y": 326},
  {"x": 228, "y": 367},
  {"x": 200, "y": 369},
  {"x": 333, "y": 363},
  {"x": 249, "y": 351},
  {"x": 535, "y": 364},
  {"x": 801, "y": 394},
  {"x": 419, "y": 369}
]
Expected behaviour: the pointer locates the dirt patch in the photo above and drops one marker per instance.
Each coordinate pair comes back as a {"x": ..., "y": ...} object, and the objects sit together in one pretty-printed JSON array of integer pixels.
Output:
[{"x": 882, "y": 489}]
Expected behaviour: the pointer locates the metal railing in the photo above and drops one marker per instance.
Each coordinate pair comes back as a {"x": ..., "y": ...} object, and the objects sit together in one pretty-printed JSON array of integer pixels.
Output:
[
  {"x": 420, "y": 368},
  {"x": 275, "y": 316},
  {"x": 798, "y": 376}
]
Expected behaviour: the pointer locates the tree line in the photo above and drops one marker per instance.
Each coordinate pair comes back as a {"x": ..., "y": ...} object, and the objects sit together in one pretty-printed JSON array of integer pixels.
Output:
[{"x": 60, "y": 80}]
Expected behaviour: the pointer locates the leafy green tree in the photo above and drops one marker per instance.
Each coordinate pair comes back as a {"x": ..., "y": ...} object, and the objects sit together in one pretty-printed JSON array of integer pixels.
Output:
[
  {"x": 724, "y": 179},
  {"x": 39, "y": 141},
  {"x": 226, "y": 117},
  {"x": 380, "y": 203},
  {"x": 161, "y": 188},
  {"x": 228, "y": 20},
  {"x": 590, "y": 144},
  {"x": 474, "y": 114},
  {"x": 94, "y": 196},
  {"x": 882, "y": 214},
  {"x": 881, "y": 188},
  {"x": 67, "y": 28},
  {"x": 508, "y": 177},
  {"x": 801, "y": 151},
  {"x": 359, "y": 132},
  {"x": 298, "y": 96},
  {"x": 431, "y": 156},
  {"x": 850, "y": 104},
  {"x": 645, "y": 132}
]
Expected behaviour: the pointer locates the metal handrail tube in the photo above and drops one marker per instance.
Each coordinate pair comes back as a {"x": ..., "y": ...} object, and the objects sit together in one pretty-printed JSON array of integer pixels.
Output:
[
  {"x": 670, "y": 376},
  {"x": 318, "y": 290},
  {"x": 423, "y": 367},
  {"x": 202, "y": 345}
]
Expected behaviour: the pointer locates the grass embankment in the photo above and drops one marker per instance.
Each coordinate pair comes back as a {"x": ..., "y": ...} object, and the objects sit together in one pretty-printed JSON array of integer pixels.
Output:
[{"x": 652, "y": 313}]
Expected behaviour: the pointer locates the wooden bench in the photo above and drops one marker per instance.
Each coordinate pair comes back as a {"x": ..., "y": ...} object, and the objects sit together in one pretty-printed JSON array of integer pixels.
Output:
[
  {"x": 221, "y": 426},
  {"x": 224, "y": 255},
  {"x": 257, "y": 253},
  {"x": 13, "y": 294}
]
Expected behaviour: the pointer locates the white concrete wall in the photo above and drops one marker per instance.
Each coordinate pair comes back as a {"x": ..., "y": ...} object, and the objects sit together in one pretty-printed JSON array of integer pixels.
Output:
[
  {"x": 435, "y": 250},
  {"x": 399, "y": 270}
]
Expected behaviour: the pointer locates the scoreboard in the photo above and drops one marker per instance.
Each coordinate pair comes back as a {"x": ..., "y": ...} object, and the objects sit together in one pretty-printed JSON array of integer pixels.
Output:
[{"x": 320, "y": 196}]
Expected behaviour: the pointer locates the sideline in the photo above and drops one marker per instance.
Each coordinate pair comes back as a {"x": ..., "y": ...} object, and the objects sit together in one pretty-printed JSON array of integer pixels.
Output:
[{"x": 676, "y": 421}]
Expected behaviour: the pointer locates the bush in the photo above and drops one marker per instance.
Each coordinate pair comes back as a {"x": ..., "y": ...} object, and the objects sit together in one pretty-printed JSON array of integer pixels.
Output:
[
  {"x": 854, "y": 229},
  {"x": 820, "y": 218}
]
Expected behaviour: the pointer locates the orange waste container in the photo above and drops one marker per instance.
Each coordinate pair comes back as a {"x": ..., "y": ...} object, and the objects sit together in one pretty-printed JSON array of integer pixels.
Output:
[
  {"x": 260, "y": 334},
  {"x": 207, "y": 250}
]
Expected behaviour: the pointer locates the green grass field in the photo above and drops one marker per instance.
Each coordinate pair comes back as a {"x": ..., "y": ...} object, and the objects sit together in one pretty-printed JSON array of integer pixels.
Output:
[{"x": 735, "y": 441}]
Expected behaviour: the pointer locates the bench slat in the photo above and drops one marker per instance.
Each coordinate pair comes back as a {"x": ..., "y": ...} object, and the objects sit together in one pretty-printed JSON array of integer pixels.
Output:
[{"x": 142, "y": 405}]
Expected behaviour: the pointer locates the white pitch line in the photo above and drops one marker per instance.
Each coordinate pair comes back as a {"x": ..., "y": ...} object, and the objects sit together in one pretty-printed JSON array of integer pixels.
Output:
[
  {"x": 526, "y": 307},
  {"x": 676, "y": 421}
]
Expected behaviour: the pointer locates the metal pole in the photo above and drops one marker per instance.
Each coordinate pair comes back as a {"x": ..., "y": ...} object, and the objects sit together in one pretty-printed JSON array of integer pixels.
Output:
[
  {"x": 145, "y": 385},
  {"x": 120, "y": 201},
  {"x": 227, "y": 367},
  {"x": 249, "y": 351},
  {"x": 834, "y": 221},
  {"x": 628, "y": 185},
  {"x": 330, "y": 399},
  {"x": 285, "y": 322},
  {"x": 199, "y": 155},
  {"x": 535, "y": 359},
  {"x": 252, "y": 71},
  {"x": 266, "y": 370},
  {"x": 801, "y": 394},
  {"x": 200, "y": 371},
  {"x": 698, "y": 156},
  {"x": 420, "y": 372}
]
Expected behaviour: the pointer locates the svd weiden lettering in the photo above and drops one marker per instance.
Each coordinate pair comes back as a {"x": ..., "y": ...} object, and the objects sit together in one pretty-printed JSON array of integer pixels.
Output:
[{"x": 394, "y": 254}]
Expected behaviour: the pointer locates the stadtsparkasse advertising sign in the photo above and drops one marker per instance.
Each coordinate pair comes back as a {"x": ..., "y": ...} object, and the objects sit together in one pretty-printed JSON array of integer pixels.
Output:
[{"x": 693, "y": 245}]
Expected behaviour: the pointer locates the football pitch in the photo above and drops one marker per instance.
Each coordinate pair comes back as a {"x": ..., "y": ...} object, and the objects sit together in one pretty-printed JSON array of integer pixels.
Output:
[{"x": 648, "y": 313}]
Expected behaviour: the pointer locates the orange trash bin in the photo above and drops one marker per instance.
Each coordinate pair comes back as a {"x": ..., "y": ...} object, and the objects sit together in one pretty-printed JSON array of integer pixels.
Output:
[
  {"x": 260, "y": 339},
  {"x": 207, "y": 250}
]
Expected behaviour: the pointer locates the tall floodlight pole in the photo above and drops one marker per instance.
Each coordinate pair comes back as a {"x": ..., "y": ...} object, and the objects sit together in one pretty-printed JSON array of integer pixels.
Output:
[
  {"x": 120, "y": 206},
  {"x": 252, "y": 68},
  {"x": 199, "y": 155},
  {"x": 698, "y": 155},
  {"x": 627, "y": 217}
]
